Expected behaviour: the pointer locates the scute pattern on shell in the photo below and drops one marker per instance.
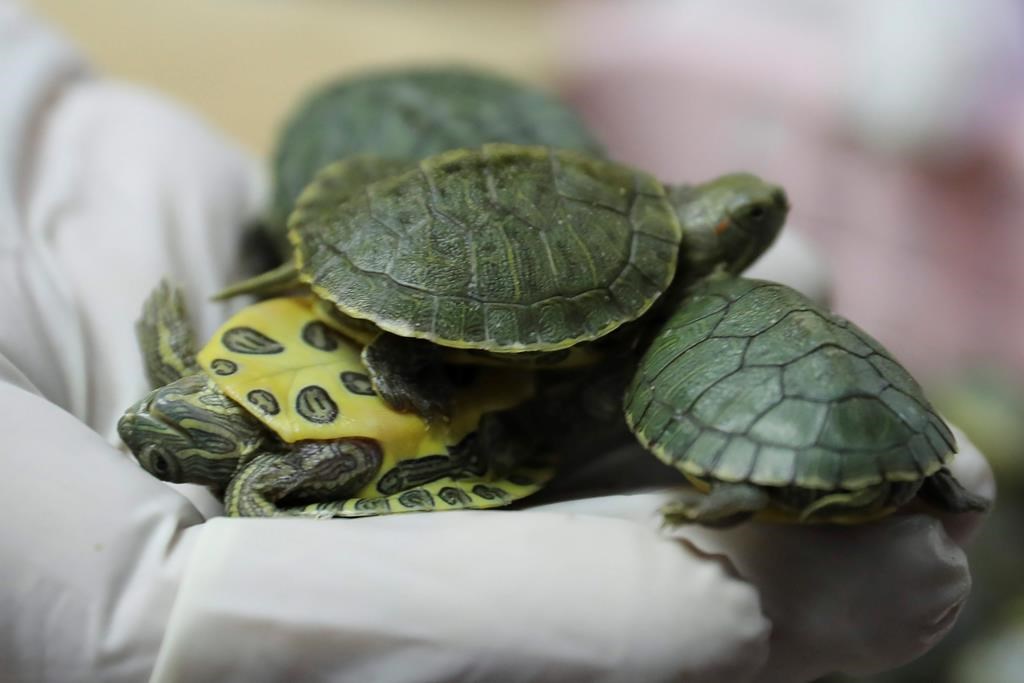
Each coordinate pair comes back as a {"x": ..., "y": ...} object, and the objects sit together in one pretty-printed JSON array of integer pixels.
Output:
[
  {"x": 751, "y": 381},
  {"x": 505, "y": 248},
  {"x": 412, "y": 114}
]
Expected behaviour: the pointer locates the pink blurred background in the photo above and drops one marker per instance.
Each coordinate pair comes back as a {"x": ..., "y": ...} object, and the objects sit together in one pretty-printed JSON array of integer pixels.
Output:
[{"x": 897, "y": 129}]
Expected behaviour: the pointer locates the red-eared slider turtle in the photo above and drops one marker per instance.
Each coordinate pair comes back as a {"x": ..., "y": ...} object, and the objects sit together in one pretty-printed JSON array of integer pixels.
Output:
[
  {"x": 774, "y": 406},
  {"x": 510, "y": 251},
  {"x": 410, "y": 114},
  {"x": 277, "y": 413}
]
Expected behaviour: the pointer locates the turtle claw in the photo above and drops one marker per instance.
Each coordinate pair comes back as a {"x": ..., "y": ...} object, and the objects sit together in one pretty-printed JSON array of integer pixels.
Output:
[
  {"x": 682, "y": 511},
  {"x": 724, "y": 506},
  {"x": 675, "y": 515}
]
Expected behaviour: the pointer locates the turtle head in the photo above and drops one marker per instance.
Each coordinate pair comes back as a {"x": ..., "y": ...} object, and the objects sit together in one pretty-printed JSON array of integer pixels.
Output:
[
  {"x": 727, "y": 222},
  {"x": 188, "y": 431}
]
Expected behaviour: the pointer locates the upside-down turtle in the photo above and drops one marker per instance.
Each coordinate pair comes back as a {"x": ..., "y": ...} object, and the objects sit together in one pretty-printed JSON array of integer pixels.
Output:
[{"x": 277, "y": 414}]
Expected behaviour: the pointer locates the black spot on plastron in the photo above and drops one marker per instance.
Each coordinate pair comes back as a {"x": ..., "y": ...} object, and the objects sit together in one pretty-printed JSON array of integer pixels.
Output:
[
  {"x": 358, "y": 383},
  {"x": 373, "y": 504},
  {"x": 248, "y": 340},
  {"x": 454, "y": 496},
  {"x": 223, "y": 367},
  {"x": 319, "y": 336},
  {"x": 314, "y": 404},
  {"x": 521, "y": 480},
  {"x": 490, "y": 492},
  {"x": 417, "y": 499},
  {"x": 263, "y": 401}
]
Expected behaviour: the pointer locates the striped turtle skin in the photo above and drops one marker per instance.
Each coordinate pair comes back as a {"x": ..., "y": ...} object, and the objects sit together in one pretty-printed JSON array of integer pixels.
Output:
[{"x": 750, "y": 383}]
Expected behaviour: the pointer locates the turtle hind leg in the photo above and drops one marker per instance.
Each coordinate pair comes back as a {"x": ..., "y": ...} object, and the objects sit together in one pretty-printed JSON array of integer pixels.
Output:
[
  {"x": 276, "y": 484},
  {"x": 863, "y": 502},
  {"x": 166, "y": 337},
  {"x": 409, "y": 375},
  {"x": 724, "y": 505},
  {"x": 943, "y": 491}
]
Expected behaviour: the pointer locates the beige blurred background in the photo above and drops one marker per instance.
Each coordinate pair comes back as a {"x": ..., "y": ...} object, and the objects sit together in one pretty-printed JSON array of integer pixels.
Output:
[
  {"x": 897, "y": 129},
  {"x": 243, "y": 63}
]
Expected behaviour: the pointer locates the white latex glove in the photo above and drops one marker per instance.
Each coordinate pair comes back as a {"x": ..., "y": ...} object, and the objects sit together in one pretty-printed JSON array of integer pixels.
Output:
[{"x": 107, "y": 574}]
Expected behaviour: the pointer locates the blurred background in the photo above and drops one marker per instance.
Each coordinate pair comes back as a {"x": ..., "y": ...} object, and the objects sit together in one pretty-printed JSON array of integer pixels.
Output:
[{"x": 897, "y": 129}]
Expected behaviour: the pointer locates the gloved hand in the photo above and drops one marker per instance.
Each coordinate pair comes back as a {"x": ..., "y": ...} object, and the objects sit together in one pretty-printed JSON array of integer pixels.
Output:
[{"x": 109, "y": 574}]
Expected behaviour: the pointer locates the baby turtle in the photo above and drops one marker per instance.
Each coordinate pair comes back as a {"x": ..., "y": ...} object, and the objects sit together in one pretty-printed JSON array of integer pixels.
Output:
[
  {"x": 510, "y": 252},
  {"x": 277, "y": 414},
  {"x": 774, "y": 406},
  {"x": 409, "y": 114}
]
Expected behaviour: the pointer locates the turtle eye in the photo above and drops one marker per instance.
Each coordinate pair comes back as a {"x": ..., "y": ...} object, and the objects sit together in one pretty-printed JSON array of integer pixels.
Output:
[
  {"x": 160, "y": 464},
  {"x": 758, "y": 213}
]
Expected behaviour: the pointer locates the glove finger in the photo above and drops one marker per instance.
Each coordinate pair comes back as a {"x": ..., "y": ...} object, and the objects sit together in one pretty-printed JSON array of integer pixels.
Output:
[
  {"x": 523, "y": 596},
  {"x": 154, "y": 193},
  {"x": 855, "y": 599}
]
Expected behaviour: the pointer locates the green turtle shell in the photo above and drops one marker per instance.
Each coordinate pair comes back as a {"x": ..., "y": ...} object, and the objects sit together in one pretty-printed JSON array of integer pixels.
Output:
[
  {"x": 411, "y": 114},
  {"x": 750, "y": 381},
  {"x": 349, "y": 176},
  {"x": 505, "y": 248}
]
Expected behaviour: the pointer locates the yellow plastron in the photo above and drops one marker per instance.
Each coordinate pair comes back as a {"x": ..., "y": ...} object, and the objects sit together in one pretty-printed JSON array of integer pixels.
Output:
[{"x": 303, "y": 380}]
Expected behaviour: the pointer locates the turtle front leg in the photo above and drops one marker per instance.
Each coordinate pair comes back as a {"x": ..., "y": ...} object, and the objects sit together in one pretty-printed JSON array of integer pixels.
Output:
[
  {"x": 409, "y": 375},
  {"x": 724, "y": 505},
  {"x": 165, "y": 336},
  {"x": 275, "y": 484}
]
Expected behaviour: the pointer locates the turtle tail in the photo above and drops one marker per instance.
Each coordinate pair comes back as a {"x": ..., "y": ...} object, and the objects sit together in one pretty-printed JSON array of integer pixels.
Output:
[
  {"x": 280, "y": 279},
  {"x": 944, "y": 492},
  {"x": 166, "y": 337}
]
